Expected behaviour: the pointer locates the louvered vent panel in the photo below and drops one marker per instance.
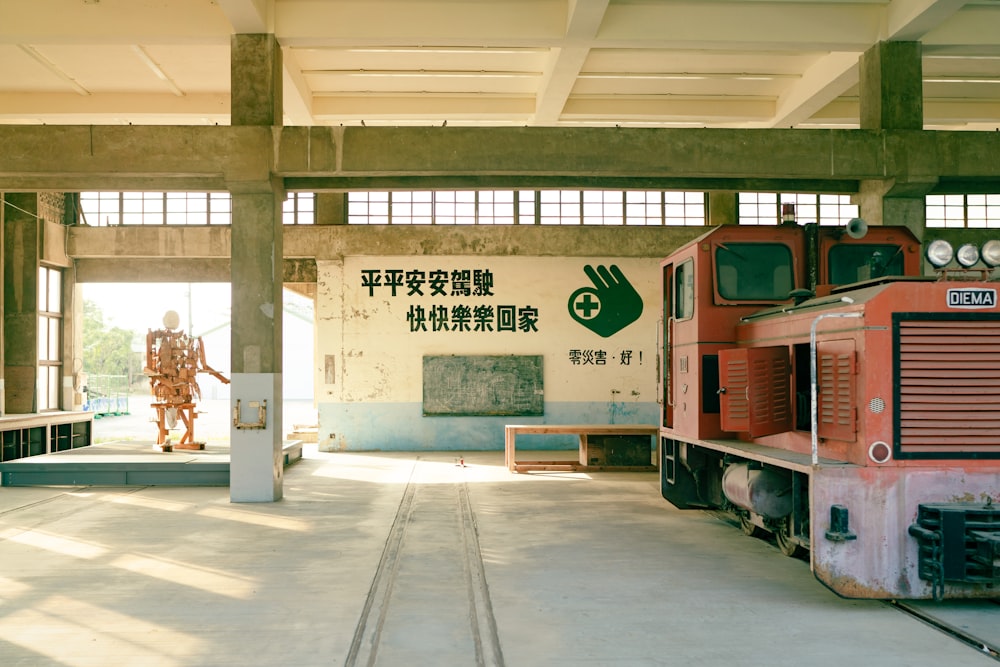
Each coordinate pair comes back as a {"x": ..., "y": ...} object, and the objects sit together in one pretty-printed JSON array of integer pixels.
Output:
[
  {"x": 736, "y": 415},
  {"x": 837, "y": 373},
  {"x": 949, "y": 386}
]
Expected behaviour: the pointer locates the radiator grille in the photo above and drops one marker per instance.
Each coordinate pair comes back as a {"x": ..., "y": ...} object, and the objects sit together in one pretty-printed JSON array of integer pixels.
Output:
[{"x": 948, "y": 393}]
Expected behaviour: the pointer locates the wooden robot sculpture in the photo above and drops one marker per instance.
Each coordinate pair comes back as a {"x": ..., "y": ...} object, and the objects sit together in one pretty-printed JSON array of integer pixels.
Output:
[{"x": 173, "y": 361}]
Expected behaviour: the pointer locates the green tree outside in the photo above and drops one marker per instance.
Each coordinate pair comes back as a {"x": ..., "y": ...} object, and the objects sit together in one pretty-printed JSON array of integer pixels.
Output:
[{"x": 107, "y": 351}]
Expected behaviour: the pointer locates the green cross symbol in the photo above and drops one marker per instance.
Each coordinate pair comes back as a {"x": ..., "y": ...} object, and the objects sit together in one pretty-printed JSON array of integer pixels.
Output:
[{"x": 585, "y": 303}]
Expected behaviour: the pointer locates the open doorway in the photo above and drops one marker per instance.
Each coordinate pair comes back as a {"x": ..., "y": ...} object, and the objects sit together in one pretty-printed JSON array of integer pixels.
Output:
[{"x": 117, "y": 317}]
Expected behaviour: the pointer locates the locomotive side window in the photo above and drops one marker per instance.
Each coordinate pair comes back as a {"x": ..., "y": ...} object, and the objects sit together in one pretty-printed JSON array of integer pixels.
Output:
[
  {"x": 684, "y": 291},
  {"x": 754, "y": 271},
  {"x": 855, "y": 262}
]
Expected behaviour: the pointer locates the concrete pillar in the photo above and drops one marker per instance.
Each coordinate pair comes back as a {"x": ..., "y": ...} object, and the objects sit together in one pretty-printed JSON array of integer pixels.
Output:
[
  {"x": 20, "y": 300},
  {"x": 891, "y": 87},
  {"x": 256, "y": 460},
  {"x": 881, "y": 203},
  {"x": 331, "y": 208},
  {"x": 255, "y": 78},
  {"x": 723, "y": 209}
]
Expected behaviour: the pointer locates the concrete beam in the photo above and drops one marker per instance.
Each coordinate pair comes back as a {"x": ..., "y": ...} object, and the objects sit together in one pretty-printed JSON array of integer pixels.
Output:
[
  {"x": 298, "y": 99},
  {"x": 66, "y": 158},
  {"x": 570, "y": 182},
  {"x": 591, "y": 152},
  {"x": 119, "y": 254},
  {"x": 136, "y": 241},
  {"x": 645, "y": 153},
  {"x": 297, "y": 271},
  {"x": 249, "y": 16},
  {"x": 910, "y": 20},
  {"x": 822, "y": 83},
  {"x": 565, "y": 62},
  {"x": 103, "y": 157}
]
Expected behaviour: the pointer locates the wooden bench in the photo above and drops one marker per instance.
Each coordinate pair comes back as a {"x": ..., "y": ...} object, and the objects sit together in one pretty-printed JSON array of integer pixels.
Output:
[{"x": 590, "y": 453}]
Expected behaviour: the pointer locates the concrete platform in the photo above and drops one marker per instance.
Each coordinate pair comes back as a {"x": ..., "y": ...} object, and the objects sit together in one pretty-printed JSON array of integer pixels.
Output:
[
  {"x": 128, "y": 463},
  {"x": 412, "y": 560}
]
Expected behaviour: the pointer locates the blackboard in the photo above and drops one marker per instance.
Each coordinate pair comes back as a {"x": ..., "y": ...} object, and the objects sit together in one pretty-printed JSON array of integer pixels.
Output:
[{"x": 483, "y": 385}]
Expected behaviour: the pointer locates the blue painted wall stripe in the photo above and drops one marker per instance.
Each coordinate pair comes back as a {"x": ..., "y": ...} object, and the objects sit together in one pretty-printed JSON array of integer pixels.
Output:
[{"x": 365, "y": 427}]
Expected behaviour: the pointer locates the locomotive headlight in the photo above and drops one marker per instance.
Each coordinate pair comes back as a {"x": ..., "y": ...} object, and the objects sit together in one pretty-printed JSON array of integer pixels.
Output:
[
  {"x": 939, "y": 253},
  {"x": 967, "y": 255},
  {"x": 991, "y": 253}
]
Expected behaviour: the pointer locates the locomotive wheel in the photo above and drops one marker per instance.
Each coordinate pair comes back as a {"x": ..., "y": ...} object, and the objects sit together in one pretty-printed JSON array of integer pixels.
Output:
[
  {"x": 783, "y": 538},
  {"x": 748, "y": 526}
]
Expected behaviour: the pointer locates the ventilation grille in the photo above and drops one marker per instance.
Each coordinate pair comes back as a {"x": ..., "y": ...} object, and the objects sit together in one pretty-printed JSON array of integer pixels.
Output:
[
  {"x": 949, "y": 387},
  {"x": 837, "y": 413}
]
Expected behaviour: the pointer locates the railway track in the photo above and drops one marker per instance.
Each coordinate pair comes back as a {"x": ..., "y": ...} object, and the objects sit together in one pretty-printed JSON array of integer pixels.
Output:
[
  {"x": 429, "y": 597},
  {"x": 429, "y": 601},
  {"x": 952, "y": 619}
]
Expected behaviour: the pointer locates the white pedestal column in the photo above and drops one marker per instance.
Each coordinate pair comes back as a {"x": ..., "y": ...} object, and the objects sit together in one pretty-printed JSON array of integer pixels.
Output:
[{"x": 256, "y": 469}]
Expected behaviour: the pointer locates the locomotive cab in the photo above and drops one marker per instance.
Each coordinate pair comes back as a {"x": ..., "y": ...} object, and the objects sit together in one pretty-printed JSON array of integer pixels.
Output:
[{"x": 708, "y": 285}]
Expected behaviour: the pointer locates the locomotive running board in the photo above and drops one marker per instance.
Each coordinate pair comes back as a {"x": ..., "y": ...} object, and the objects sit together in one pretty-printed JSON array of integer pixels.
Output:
[{"x": 780, "y": 457}]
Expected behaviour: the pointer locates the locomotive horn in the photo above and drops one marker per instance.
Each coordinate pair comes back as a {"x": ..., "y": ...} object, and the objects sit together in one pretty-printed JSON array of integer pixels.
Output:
[{"x": 857, "y": 228}]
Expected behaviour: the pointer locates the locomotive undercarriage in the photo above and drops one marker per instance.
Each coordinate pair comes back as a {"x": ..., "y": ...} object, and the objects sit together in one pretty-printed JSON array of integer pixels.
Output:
[
  {"x": 762, "y": 497},
  {"x": 956, "y": 544}
]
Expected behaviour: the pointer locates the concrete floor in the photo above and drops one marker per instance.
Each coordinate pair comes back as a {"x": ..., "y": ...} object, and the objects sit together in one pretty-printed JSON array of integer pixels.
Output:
[{"x": 411, "y": 559}]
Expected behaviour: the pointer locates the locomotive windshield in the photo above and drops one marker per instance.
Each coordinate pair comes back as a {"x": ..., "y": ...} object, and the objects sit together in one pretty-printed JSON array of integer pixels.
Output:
[
  {"x": 754, "y": 271},
  {"x": 855, "y": 262}
]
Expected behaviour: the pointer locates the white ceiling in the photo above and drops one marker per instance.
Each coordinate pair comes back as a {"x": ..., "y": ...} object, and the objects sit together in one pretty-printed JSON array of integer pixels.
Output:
[{"x": 648, "y": 63}]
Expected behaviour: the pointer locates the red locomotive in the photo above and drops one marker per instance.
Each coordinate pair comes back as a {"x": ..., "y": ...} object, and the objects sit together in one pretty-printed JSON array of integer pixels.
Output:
[{"x": 886, "y": 466}]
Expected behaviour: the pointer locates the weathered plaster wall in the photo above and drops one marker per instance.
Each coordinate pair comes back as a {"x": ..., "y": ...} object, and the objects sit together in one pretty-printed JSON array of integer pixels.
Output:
[{"x": 371, "y": 343}]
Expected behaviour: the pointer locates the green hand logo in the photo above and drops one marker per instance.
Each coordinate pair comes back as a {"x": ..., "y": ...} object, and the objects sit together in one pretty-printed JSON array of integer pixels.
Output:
[{"x": 610, "y": 305}]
